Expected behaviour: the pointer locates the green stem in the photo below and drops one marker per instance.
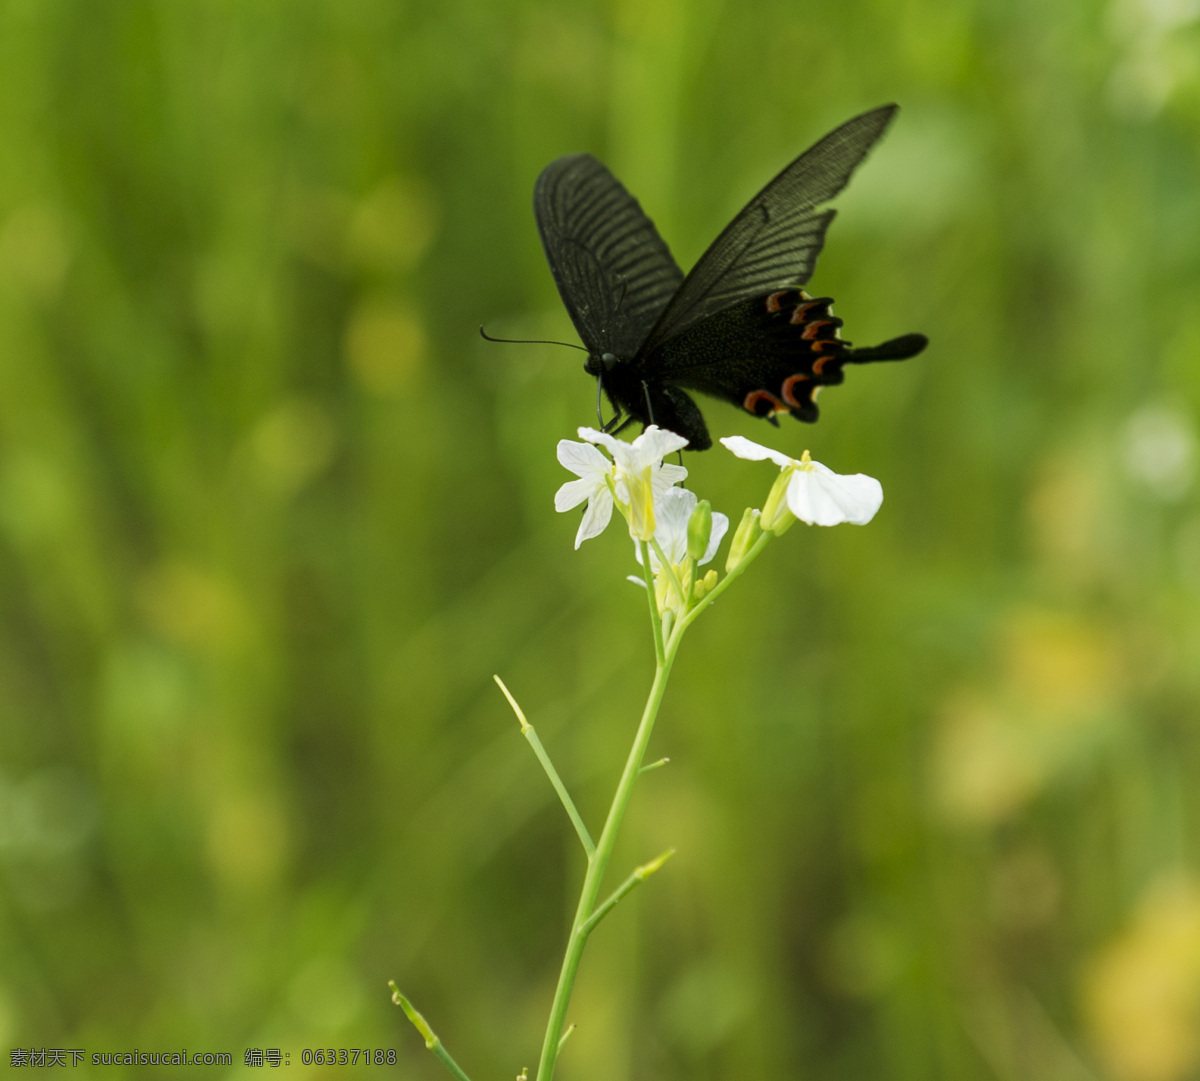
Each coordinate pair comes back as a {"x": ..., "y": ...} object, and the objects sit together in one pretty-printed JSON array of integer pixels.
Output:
[
  {"x": 527, "y": 730},
  {"x": 640, "y": 874},
  {"x": 586, "y": 909},
  {"x": 599, "y": 862},
  {"x": 691, "y": 616},
  {"x": 431, "y": 1038}
]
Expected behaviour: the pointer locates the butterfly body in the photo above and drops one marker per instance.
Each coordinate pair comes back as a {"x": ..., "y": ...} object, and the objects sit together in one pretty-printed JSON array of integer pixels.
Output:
[{"x": 738, "y": 327}]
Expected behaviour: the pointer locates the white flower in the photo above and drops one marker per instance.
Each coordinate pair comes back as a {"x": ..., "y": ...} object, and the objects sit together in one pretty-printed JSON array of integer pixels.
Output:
[
  {"x": 653, "y": 445},
  {"x": 816, "y": 494},
  {"x": 636, "y": 474},
  {"x": 674, "y": 510},
  {"x": 593, "y": 470},
  {"x": 639, "y": 473}
]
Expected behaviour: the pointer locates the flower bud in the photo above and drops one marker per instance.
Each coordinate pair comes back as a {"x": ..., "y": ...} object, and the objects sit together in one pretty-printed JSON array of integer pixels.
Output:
[
  {"x": 706, "y": 584},
  {"x": 699, "y": 530},
  {"x": 748, "y": 531},
  {"x": 777, "y": 517}
]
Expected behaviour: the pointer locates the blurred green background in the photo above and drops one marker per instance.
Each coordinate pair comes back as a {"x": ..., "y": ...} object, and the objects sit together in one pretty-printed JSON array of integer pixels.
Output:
[{"x": 271, "y": 516}]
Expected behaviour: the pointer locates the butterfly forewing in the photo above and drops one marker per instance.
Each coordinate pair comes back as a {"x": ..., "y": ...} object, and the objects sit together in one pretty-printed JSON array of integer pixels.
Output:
[
  {"x": 774, "y": 242},
  {"x": 614, "y": 272}
]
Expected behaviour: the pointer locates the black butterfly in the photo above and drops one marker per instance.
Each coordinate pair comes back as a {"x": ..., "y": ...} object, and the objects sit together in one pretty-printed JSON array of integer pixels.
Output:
[{"x": 738, "y": 326}]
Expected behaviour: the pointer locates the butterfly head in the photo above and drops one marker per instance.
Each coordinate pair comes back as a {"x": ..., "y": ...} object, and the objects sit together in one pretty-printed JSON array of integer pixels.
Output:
[{"x": 599, "y": 363}]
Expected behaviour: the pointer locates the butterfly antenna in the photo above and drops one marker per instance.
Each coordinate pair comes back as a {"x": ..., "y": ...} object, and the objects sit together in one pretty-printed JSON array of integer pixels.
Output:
[{"x": 526, "y": 341}]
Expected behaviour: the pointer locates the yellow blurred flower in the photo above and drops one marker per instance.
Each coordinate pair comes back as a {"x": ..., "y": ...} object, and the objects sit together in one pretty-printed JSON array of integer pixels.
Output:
[
  {"x": 1058, "y": 687},
  {"x": 1141, "y": 994}
]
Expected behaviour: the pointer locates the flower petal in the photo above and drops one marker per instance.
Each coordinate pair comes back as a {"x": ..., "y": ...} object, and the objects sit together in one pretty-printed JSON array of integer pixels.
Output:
[
  {"x": 755, "y": 452},
  {"x": 819, "y": 496},
  {"x": 596, "y": 517},
  {"x": 672, "y": 512},
  {"x": 655, "y": 443},
  {"x": 582, "y": 459},
  {"x": 574, "y": 492},
  {"x": 666, "y": 476},
  {"x": 603, "y": 439}
]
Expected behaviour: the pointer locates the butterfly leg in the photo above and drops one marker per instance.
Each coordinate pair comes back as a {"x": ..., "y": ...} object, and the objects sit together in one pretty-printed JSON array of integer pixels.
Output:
[
  {"x": 610, "y": 425},
  {"x": 650, "y": 414},
  {"x": 649, "y": 405}
]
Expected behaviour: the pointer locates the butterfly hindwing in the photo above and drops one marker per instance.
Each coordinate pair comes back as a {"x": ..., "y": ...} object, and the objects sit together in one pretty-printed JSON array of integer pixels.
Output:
[
  {"x": 767, "y": 355},
  {"x": 614, "y": 272}
]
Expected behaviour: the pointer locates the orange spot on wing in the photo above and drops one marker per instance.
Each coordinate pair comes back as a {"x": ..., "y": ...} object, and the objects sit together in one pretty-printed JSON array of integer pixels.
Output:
[
  {"x": 755, "y": 399},
  {"x": 800, "y": 314},
  {"x": 789, "y": 386}
]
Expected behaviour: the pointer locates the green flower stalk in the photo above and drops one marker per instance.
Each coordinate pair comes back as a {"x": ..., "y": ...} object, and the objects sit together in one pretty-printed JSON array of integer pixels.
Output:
[{"x": 674, "y": 535}]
